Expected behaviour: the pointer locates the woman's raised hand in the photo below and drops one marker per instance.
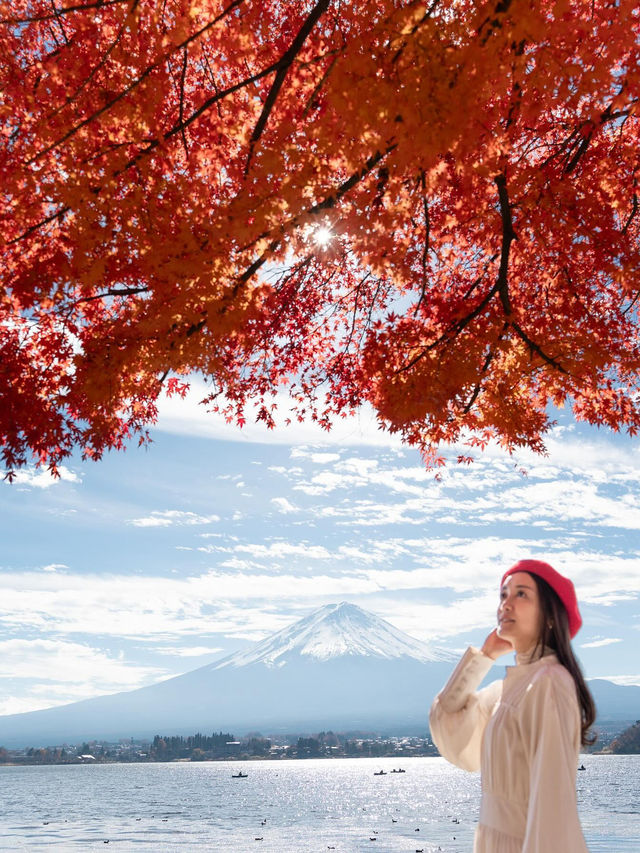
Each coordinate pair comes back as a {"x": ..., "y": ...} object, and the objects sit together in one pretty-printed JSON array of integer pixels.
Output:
[{"x": 494, "y": 646}]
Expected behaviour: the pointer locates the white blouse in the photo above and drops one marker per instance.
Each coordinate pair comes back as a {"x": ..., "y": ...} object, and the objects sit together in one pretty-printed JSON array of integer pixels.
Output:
[{"x": 523, "y": 733}]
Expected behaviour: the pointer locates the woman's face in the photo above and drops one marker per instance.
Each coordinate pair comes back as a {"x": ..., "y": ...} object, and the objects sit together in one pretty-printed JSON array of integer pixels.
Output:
[{"x": 519, "y": 613}]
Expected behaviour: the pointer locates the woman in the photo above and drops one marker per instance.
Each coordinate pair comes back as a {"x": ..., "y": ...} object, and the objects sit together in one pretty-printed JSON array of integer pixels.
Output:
[{"x": 523, "y": 733}]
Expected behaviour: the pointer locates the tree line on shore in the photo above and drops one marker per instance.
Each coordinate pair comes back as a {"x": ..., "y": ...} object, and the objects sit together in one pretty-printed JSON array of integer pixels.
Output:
[
  {"x": 220, "y": 746},
  {"x": 224, "y": 745}
]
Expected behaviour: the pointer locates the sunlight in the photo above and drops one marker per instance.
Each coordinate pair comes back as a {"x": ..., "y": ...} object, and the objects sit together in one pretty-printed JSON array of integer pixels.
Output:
[{"x": 323, "y": 236}]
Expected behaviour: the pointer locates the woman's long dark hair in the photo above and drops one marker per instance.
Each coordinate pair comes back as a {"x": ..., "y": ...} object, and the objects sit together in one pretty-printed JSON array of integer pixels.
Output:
[{"x": 557, "y": 637}]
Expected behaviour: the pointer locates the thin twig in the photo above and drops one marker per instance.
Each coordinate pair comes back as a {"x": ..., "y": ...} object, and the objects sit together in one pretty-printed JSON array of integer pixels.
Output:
[
  {"x": 122, "y": 291},
  {"x": 181, "y": 111},
  {"x": 634, "y": 210},
  {"x": 128, "y": 89},
  {"x": 100, "y": 64},
  {"x": 58, "y": 20},
  {"x": 283, "y": 68}
]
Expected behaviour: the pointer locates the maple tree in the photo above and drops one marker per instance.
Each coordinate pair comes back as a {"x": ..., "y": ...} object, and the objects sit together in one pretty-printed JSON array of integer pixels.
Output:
[{"x": 428, "y": 206}]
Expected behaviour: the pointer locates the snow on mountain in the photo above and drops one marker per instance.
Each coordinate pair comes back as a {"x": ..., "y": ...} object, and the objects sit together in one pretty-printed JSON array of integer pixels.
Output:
[{"x": 334, "y": 631}]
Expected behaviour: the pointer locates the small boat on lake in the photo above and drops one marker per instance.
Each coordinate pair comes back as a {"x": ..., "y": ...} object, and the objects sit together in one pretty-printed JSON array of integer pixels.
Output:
[
  {"x": 380, "y": 773},
  {"x": 399, "y": 770},
  {"x": 239, "y": 775}
]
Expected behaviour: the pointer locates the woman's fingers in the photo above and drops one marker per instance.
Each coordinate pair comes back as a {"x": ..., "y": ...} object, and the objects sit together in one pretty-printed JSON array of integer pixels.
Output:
[{"x": 494, "y": 645}]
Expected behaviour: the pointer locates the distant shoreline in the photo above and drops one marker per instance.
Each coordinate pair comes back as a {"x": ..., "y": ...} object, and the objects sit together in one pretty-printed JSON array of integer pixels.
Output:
[
  {"x": 254, "y": 759},
  {"x": 225, "y": 746}
]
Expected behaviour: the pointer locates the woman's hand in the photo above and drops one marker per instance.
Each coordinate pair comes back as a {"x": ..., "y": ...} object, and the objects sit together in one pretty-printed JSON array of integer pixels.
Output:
[{"x": 494, "y": 646}]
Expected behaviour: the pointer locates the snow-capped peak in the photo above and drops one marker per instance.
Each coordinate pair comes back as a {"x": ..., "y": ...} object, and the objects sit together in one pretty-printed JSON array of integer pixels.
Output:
[{"x": 334, "y": 631}]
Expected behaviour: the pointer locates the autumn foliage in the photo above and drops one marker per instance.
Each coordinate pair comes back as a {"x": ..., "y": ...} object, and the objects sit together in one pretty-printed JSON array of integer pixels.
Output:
[{"x": 429, "y": 206}]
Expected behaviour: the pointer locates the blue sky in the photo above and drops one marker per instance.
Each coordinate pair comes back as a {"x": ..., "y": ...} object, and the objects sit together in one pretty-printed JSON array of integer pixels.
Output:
[{"x": 156, "y": 561}]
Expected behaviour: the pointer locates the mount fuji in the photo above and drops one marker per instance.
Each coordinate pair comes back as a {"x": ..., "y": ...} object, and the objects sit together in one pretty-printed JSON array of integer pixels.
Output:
[{"x": 340, "y": 668}]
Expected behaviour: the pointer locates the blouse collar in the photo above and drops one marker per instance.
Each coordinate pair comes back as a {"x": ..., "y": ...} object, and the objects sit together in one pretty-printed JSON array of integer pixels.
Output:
[
  {"x": 525, "y": 658},
  {"x": 524, "y": 665}
]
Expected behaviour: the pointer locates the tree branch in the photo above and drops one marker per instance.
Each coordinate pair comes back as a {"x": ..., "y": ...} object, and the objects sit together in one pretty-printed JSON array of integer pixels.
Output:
[
  {"x": 312, "y": 97},
  {"x": 283, "y": 67},
  {"x": 508, "y": 236},
  {"x": 502, "y": 284},
  {"x": 485, "y": 367},
  {"x": 534, "y": 347},
  {"x": 65, "y": 11},
  {"x": 494, "y": 21},
  {"x": 331, "y": 200},
  {"x": 177, "y": 128},
  {"x": 180, "y": 126},
  {"x": 425, "y": 251},
  {"x": 58, "y": 214},
  {"x": 576, "y": 144},
  {"x": 122, "y": 291},
  {"x": 181, "y": 111},
  {"x": 354, "y": 315},
  {"x": 500, "y": 287},
  {"x": 459, "y": 326},
  {"x": 427, "y": 14}
]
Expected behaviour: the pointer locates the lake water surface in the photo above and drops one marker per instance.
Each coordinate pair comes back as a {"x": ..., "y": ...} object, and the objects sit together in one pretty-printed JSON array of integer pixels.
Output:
[{"x": 299, "y": 806}]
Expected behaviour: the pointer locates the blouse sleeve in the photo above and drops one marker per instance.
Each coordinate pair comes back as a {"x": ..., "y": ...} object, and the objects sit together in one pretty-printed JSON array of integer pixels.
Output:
[
  {"x": 551, "y": 721},
  {"x": 459, "y": 714}
]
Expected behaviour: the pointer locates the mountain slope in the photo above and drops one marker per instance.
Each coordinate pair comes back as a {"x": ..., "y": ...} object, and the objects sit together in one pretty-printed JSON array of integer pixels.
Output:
[{"x": 627, "y": 742}]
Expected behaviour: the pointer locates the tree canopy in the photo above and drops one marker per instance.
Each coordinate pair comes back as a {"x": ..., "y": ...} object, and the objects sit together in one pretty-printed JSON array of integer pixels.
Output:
[{"x": 431, "y": 207}]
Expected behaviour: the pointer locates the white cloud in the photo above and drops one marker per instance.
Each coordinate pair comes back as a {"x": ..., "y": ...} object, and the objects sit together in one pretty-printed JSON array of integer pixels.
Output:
[
  {"x": 436, "y": 623},
  {"x": 41, "y": 478},
  {"x": 237, "y": 563},
  {"x": 437, "y": 569},
  {"x": 313, "y": 455},
  {"x": 171, "y": 517},
  {"x": 490, "y": 492},
  {"x": 624, "y": 680},
  {"x": 284, "y": 505},
  {"x": 596, "y": 644},
  {"x": 188, "y": 651},
  {"x": 66, "y": 671},
  {"x": 18, "y": 705},
  {"x": 279, "y": 550},
  {"x": 137, "y": 607},
  {"x": 53, "y": 567},
  {"x": 607, "y": 598}
]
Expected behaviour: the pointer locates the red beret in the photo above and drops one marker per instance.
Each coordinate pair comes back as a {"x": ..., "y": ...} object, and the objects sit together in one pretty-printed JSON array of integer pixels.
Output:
[{"x": 563, "y": 586}]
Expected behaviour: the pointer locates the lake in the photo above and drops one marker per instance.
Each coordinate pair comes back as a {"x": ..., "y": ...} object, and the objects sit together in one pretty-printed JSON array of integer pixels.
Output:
[{"x": 300, "y": 806}]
